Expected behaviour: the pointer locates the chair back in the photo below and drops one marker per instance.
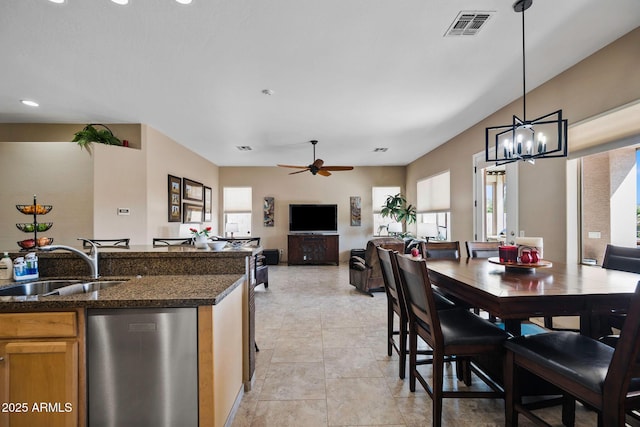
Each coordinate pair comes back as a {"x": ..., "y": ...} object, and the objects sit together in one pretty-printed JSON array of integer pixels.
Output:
[
  {"x": 421, "y": 305},
  {"x": 172, "y": 241},
  {"x": 625, "y": 364},
  {"x": 482, "y": 249},
  {"x": 389, "y": 269},
  {"x": 441, "y": 250},
  {"x": 107, "y": 243},
  {"x": 621, "y": 258},
  {"x": 240, "y": 241}
]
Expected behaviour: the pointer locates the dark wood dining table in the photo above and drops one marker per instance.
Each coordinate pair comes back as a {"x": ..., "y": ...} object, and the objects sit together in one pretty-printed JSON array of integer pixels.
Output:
[{"x": 517, "y": 294}]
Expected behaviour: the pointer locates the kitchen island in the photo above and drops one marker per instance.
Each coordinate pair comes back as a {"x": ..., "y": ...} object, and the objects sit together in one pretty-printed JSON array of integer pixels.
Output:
[{"x": 50, "y": 331}]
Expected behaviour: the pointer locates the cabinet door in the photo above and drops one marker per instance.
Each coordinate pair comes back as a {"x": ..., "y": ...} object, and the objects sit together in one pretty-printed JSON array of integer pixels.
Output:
[{"x": 39, "y": 383}]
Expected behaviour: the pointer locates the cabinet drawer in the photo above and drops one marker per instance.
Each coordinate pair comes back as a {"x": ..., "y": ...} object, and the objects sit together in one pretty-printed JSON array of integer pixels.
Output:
[{"x": 35, "y": 325}]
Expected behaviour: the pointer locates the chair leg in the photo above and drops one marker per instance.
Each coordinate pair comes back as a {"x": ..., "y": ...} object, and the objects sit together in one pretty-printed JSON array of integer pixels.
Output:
[
  {"x": 568, "y": 410},
  {"x": 413, "y": 356},
  {"x": 511, "y": 394},
  {"x": 389, "y": 330},
  {"x": 438, "y": 372},
  {"x": 403, "y": 349}
]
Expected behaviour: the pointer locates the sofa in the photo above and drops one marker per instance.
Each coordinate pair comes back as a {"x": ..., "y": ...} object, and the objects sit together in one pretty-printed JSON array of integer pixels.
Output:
[{"x": 365, "y": 273}]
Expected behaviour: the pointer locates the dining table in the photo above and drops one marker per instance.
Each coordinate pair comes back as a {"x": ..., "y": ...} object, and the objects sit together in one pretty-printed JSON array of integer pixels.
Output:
[{"x": 515, "y": 293}]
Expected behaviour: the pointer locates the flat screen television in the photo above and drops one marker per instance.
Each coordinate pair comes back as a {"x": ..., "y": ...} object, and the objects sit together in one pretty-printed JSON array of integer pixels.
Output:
[{"x": 308, "y": 218}]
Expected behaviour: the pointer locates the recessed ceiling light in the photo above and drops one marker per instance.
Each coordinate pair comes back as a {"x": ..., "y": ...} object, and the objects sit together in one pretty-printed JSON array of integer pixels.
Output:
[
  {"x": 57, "y": 1},
  {"x": 184, "y": 1},
  {"x": 121, "y": 2},
  {"x": 29, "y": 103}
]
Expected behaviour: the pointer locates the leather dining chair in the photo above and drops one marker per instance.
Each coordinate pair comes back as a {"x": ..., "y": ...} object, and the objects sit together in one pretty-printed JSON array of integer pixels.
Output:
[
  {"x": 623, "y": 259},
  {"x": 456, "y": 333},
  {"x": 396, "y": 307},
  {"x": 440, "y": 250},
  {"x": 605, "y": 379},
  {"x": 482, "y": 249}
]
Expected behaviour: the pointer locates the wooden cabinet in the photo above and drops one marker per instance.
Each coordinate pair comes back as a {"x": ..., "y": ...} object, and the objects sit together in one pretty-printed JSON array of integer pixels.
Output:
[
  {"x": 39, "y": 369},
  {"x": 313, "y": 249}
]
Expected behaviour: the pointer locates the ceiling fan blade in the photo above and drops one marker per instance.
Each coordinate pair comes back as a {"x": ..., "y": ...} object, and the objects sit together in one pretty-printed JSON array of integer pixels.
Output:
[
  {"x": 304, "y": 170},
  {"x": 337, "y": 168},
  {"x": 324, "y": 172},
  {"x": 292, "y": 166}
]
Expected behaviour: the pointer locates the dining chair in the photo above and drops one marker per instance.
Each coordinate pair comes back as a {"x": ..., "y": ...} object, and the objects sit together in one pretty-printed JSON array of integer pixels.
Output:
[
  {"x": 623, "y": 259},
  {"x": 482, "y": 249},
  {"x": 396, "y": 307},
  {"x": 172, "y": 241},
  {"x": 454, "y": 333},
  {"x": 605, "y": 379},
  {"x": 440, "y": 250},
  {"x": 107, "y": 243}
]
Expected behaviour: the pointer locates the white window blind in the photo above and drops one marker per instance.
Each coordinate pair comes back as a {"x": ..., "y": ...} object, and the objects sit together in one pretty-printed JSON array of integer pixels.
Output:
[
  {"x": 237, "y": 199},
  {"x": 434, "y": 194},
  {"x": 379, "y": 196}
]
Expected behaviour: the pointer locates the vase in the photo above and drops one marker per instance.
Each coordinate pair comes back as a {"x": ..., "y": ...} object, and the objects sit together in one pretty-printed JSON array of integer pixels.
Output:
[{"x": 200, "y": 242}]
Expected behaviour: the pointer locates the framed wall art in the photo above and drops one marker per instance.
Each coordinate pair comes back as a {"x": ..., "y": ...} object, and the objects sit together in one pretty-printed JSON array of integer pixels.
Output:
[
  {"x": 174, "y": 199},
  {"x": 269, "y": 212},
  {"x": 192, "y": 190},
  {"x": 208, "y": 203},
  {"x": 356, "y": 211},
  {"x": 192, "y": 214}
]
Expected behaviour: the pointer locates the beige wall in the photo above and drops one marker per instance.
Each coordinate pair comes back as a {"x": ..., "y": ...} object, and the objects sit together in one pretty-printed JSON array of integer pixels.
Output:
[
  {"x": 87, "y": 189},
  {"x": 599, "y": 83},
  {"x": 60, "y": 175},
  {"x": 305, "y": 188},
  {"x": 165, "y": 156}
]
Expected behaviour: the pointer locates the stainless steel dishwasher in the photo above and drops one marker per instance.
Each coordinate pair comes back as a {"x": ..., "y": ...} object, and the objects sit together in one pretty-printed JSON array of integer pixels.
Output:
[{"x": 142, "y": 367}]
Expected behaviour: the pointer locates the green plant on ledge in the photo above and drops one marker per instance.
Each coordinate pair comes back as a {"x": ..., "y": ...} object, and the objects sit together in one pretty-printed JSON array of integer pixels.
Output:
[
  {"x": 90, "y": 134},
  {"x": 397, "y": 208}
]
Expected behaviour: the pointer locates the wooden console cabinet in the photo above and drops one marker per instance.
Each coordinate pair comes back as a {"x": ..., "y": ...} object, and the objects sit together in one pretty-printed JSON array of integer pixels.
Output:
[{"x": 313, "y": 249}]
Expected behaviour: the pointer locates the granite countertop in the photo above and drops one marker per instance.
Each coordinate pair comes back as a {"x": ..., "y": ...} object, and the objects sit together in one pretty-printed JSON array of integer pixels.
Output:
[{"x": 147, "y": 291}]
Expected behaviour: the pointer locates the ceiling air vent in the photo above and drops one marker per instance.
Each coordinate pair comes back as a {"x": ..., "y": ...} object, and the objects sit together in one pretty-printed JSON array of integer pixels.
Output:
[
  {"x": 468, "y": 23},
  {"x": 243, "y": 148},
  {"x": 380, "y": 150}
]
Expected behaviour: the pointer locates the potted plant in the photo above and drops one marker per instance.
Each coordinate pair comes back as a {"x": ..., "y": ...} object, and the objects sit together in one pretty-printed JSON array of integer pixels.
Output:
[
  {"x": 397, "y": 208},
  {"x": 90, "y": 134}
]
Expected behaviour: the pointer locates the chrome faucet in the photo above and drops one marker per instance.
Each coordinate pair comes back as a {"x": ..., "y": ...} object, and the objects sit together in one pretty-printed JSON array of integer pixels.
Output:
[{"x": 91, "y": 259}]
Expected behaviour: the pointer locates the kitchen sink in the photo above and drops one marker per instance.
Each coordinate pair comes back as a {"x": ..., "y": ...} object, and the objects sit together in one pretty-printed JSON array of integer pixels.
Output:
[
  {"x": 38, "y": 287},
  {"x": 57, "y": 287}
]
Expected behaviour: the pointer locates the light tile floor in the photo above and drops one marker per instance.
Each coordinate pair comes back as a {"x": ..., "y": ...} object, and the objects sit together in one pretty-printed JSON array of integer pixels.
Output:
[{"x": 323, "y": 362}]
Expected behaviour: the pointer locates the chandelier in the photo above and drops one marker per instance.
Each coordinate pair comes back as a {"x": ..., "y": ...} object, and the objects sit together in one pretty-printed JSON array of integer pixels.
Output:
[{"x": 526, "y": 140}]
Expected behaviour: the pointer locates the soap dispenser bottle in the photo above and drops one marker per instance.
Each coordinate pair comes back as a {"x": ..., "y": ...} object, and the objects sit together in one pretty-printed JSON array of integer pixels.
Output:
[{"x": 6, "y": 267}]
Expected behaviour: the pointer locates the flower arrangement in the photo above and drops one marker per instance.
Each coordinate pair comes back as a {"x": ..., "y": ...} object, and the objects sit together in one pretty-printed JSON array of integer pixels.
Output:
[{"x": 197, "y": 233}]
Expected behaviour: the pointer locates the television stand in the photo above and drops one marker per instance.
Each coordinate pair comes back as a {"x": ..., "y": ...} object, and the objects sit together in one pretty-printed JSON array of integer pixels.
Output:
[{"x": 313, "y": 249}]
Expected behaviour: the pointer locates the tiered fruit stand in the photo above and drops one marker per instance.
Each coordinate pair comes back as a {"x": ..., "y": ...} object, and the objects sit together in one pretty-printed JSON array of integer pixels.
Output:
[{"x": 34, "y": 227}]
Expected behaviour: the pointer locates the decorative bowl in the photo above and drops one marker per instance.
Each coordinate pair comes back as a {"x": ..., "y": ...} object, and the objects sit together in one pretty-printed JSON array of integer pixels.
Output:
[
  {"x": 45, "y": 241},
  {"x": 27, "y": 244},
  {"x": 217, "y": 245}
]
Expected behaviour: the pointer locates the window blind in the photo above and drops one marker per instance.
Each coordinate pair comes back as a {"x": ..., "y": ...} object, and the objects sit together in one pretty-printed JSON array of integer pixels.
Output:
[
  {"x": 236, "y": 199},
  {"x": 379, "y": 196},
  {"x": 433, "y": 194}
]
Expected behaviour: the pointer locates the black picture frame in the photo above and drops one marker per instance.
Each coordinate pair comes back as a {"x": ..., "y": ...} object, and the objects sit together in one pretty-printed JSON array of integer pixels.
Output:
[
  {"x": 192, "y": 190},
  {"x": 192, "y": 213},
  {"x": 208, "y": 203},
  {"x": 174, "y": 199}
]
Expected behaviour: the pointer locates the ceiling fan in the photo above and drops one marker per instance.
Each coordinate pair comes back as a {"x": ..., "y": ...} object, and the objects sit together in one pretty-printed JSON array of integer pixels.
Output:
[{"x": 317, "y": 166}]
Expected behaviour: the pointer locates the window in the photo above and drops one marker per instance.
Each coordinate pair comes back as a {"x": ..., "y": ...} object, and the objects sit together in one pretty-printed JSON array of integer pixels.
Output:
[
  {"x": 379, "y": 195},
  {"x": 433, "y": 207},
  {"x": 237, "y": 210}
]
